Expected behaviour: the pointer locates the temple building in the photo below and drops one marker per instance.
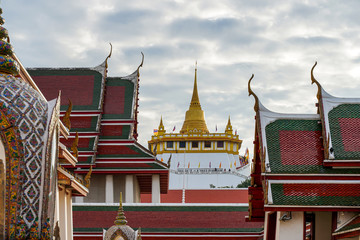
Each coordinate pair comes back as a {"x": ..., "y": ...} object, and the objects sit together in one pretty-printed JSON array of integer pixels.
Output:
[
  {"x": 35, "y": 190},
  {"x": 305, "y": 179},
  {"x": 104, "y": 122},
  {"x": 198, "y": 158}
]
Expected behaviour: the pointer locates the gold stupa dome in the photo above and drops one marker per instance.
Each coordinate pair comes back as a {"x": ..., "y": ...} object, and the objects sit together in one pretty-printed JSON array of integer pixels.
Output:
[{"x": 194, "y": 117}]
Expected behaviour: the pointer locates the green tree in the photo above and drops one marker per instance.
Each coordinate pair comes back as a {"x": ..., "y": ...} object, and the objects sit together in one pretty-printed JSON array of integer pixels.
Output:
[{"x": 244, "y": 184}]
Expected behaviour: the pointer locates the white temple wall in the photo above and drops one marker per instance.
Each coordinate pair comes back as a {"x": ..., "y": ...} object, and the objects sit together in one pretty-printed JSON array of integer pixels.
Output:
[
  {"x": 290, "y": 229},
  {"x": 96, "y": 190}
]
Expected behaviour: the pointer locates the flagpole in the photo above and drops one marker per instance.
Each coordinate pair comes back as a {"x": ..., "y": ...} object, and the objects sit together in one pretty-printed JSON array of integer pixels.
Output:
[{"x": 183, "y": 191}]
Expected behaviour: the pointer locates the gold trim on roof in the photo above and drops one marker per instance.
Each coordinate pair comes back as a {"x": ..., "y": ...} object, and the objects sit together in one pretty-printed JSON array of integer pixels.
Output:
[
  {"x": 74, "y": 147},
  {"x": 87, "y": 178},
  {"x": 66, "y": 118}
]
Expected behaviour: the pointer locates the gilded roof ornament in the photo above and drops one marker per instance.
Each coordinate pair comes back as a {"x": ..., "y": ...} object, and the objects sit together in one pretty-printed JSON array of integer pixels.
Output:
[
  {"x": 256, "y": 105},
  {"x": 109, "y": 56},
  {"x": 8, "y": 64},
  {"x": 141, "y": 64},
  {"x": 120, "y": 218},
  {"x": 66, "y": 118},
  {"x": 74, "y": 146},
  {"x": 313, "y": 80},
  {"x": 87, "y": 178}
]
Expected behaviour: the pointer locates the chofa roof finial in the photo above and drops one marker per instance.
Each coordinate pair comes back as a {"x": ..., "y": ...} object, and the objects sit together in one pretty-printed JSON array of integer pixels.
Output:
[
  {"x": 313, "y": 80},
  {"x": 109, "y": 56},
  {"x": 256, "y": 105}
]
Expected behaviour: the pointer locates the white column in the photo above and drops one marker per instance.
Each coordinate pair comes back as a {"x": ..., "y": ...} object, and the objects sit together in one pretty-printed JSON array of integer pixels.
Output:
[
  {"x": 109, "y": 189},
  {"x": 69, "y": 215},
  {"x": 79, "y": 199},
  {"x": 62, "y": 214},
  {"x": 57, "y": 206},
  {"x": 129, "y": 189},
  {"x": 323, "y": 221},
  {"x": 155, "y": 188}
]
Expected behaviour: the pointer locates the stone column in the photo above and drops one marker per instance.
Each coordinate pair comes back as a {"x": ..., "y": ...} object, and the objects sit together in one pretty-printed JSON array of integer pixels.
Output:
[
  {"x": 129, "y": 189},
  {"x": 109, "y": 189},
  {"x": 155, "y": 188}
]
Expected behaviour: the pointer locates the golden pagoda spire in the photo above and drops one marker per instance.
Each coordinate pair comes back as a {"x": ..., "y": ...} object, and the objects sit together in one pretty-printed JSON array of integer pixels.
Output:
[
  {"x": 195, "y": 102},
  {"x": 228, "y": 129},
  {"x": 120, "y": 218},
  {"x": 194, "y": 117},
  {"x": 161, "y": 129}
]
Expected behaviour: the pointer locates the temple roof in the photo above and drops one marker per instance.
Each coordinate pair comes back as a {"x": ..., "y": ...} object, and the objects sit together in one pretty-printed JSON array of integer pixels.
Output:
[
  {"x": 172, "y": 218},
  {"x": 307, "y": 160},
  {"x": 104, "y": 114},
  {"x": 194, "y": 117}
]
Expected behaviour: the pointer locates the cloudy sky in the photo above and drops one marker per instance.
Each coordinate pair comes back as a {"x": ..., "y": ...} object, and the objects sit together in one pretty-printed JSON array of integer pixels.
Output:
[{"x": 278, "y": 41}]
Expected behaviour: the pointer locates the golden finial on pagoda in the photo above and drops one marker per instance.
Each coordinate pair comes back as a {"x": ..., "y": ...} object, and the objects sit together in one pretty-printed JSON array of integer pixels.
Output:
[
  {"x": 66, "y": 118},
  {"x": 7, "y": 63},
  {"x": 161, "y": 129},
  {"x": 194, "y": 117},
  {"x": 228, "y": 129},
  {"x": 256, "y": 105},
  {"x": 120, "y": 218},
  {"x": 74, "y": 146}
]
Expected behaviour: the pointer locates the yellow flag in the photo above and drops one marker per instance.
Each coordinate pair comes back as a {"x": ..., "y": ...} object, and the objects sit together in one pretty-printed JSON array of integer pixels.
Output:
[
  {"x": 231, "y": 165},
  {"x": 199, "y": 165}
]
